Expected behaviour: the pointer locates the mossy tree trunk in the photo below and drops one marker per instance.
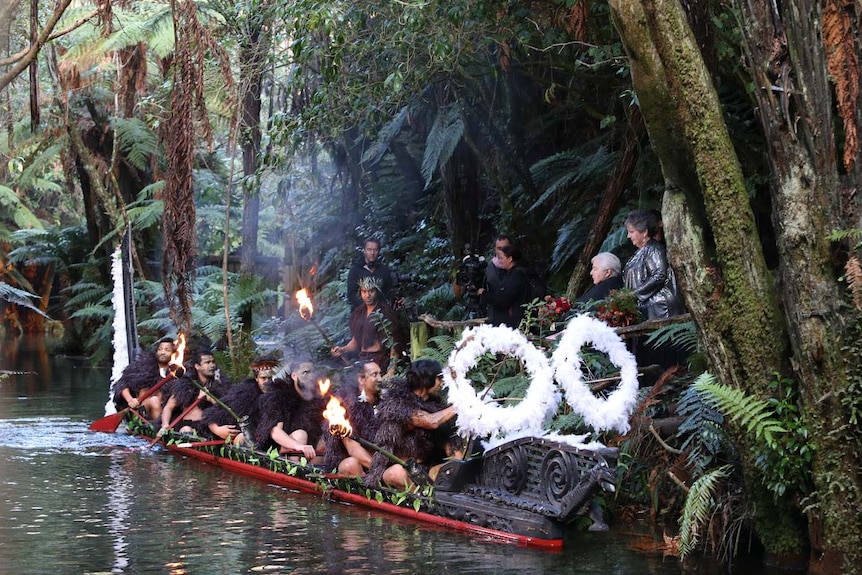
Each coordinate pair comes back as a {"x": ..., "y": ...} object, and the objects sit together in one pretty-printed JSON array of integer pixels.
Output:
[
  {"x": 712, "y": 239},
  {"x": 713, "y": 243},
  {"x": 788, "y": 54}
]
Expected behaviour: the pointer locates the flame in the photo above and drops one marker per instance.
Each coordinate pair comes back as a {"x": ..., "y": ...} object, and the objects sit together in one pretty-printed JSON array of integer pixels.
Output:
[
  {"x": 306, "y": 310},
  {"x": 335, "y": 414},
  {"x": 178, "y": 356},
  {"x": 323, "y": 385}
]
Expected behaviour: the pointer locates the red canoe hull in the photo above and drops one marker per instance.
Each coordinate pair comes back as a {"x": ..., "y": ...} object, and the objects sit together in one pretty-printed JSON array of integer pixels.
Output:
[{"x": 303, "y": 485}]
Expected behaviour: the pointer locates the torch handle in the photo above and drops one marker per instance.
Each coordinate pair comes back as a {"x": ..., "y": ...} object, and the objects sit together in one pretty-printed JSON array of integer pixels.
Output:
[
  {"x": 374, "y": 447},
  {"x": 323, "y": 334}
]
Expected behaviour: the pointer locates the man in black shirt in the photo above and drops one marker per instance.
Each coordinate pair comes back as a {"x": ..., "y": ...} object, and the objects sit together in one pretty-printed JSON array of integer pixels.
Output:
[{"x": 369, "y": 265}]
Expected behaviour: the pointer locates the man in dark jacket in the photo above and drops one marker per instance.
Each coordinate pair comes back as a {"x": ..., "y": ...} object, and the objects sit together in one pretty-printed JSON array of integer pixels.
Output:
[{"x": 369, "y": 265}]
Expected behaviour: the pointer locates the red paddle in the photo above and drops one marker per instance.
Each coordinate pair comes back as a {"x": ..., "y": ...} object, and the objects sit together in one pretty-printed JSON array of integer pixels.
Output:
[{"x": 110, "y": 423}]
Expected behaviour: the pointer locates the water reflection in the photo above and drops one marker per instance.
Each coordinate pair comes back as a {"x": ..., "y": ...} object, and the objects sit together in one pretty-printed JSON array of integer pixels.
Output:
[{"x": 73, "y": 501}]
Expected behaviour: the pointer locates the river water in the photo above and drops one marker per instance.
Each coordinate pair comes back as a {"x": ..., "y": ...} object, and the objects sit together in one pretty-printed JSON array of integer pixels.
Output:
[{"x": 75, "y": 501}]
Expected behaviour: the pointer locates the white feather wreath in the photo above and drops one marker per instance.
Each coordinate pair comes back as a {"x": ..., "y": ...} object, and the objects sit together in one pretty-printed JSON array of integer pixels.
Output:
[
  {"x": 483, "y": 419},
  {"x": 610, "y": 413}
]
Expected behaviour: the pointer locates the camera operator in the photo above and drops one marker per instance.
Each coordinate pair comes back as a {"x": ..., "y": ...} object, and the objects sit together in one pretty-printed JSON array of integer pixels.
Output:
[
  {"x": 507, "y": 285},
  {"x": 471, "y": 277}
]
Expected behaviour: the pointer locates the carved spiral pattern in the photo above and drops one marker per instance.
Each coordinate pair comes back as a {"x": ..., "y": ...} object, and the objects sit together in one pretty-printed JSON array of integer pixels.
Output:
[
  {"x": 509, "y": 471},
  {"x": 559, "y": 475}
]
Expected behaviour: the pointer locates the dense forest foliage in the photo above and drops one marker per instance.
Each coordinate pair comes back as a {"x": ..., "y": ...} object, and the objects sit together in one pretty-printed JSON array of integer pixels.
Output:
[{"x": 251, "y": 146}]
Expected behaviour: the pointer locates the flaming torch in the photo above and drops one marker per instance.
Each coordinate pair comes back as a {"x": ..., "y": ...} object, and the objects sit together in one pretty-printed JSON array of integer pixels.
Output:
[
  {"x": 339, "y": 426},
  {"x": 175, "y": 365},
  {"x": 306, "y": 312},
  {"x": 336, "y": 415}
]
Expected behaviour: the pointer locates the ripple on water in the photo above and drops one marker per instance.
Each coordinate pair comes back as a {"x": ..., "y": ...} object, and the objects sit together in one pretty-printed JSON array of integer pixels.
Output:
[{"x": 45, "y": 435}]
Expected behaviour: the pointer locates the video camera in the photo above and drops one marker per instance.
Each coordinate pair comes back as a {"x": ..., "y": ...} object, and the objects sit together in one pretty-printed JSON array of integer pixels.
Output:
[{"x": 471, "y": 276}]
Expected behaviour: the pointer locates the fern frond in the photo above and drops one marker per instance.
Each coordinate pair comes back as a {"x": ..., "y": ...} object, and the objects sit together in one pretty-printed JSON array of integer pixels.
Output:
[
  {"x": 753, "y": 415},
  {"x": 570, "y": 240},
  {"x": 615, "y": 239},
  {"x": 439, "y": 347},
  {"x": 682, "y": 336},
  {"x": 698, "y": 505},
  {"x": 94, "y": 311},
  {"x": 557, "y": 172},
  {"x": 384, "y": 138},
  {"x": 85, "y": 293},
  {"x": 136, "y": 140},
  {"x": 40, "y": 162},
  {"x": 19, "y": 297},
  {"x": 702, "y": 428},
  {"x": 444, "y": 136},
  {"x": 22, "y": 216},
  {"x": 143, "y": 215}
]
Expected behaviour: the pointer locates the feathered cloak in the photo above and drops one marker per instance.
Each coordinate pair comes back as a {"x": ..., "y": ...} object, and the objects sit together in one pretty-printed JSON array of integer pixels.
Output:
[
  {"x": 141, "y": 373},
  {"x": 242, "y": 398},
  {"x": 396, "y": 434},
  {"x": 285, "y": 405},
  {"x": 184, "y": 392},
  {"x": 362, "y": 419}
]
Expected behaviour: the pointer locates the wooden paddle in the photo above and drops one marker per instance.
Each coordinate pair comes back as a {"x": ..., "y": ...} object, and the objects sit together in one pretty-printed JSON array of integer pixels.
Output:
[
  {"x": 179, "y": 418},
  {"x": 110, "y": 423}
]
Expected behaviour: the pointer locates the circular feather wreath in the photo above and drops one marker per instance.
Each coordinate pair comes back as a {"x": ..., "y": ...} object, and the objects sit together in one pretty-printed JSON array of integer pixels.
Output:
[
  {"x": 481, "y": 418},
  {"x": 610, "y": 413}
]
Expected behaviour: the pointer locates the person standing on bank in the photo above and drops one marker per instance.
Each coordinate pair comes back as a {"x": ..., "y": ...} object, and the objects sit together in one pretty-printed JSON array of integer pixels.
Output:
[
  {"x": 648, "y": 273},
  {"x": 375, "y": 330},
  {"x": 507, "y": 286},
  {"x": 606, "y": 275},
  {"x": 369, "y": 265}
]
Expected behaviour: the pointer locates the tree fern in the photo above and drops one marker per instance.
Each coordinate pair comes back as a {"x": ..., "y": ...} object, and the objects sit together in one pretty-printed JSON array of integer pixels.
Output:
[
  {"x": 136, "y": 140},
  {"x": 41, "y": 160},
  {"x": 705, "y": 439},
  {"x": 143, "y": 215},
  {"x": 682, "y": 336},
  {"x": 753, "y": 415},
  {"x": 84, "y": 293},
  {"x": 699, "y": 504},
  {"x": 444, "y": 136},
  {"x": 94, "y": 312},
  {"x": 21, "y": 215},
  {"x": 19, "y": 297},
  {"x": 559, "y": 171},
  {"x": 384, "y": 138},
  {"x": 570, "y": 239}
]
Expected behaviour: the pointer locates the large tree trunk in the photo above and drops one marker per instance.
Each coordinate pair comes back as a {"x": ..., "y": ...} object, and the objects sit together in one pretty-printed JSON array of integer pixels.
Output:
[
  {"x": 612, "y": 199},
  {"x": 795, "y": 105},
  {"x": 252, "y": 56},
  {"x": 712, "y": 239}
]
